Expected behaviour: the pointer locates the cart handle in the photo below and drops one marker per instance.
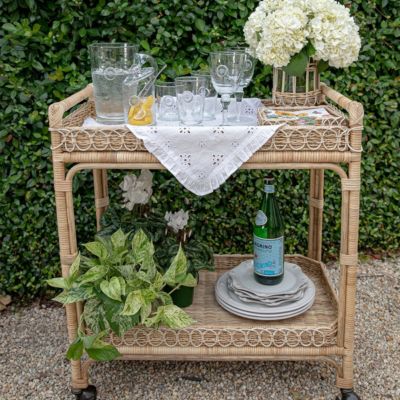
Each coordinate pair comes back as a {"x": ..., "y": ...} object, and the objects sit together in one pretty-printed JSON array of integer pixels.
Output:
[
  {"x": 354, "y": 108},
  {"x": 57, "y": 110}
]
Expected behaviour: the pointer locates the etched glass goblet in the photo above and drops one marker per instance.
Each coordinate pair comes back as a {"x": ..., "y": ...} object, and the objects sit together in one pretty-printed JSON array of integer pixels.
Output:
[{"x": 226, "y": 69}]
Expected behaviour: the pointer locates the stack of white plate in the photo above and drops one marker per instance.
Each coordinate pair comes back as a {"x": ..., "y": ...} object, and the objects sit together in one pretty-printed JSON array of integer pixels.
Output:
[{"x": 292, "y": 297}]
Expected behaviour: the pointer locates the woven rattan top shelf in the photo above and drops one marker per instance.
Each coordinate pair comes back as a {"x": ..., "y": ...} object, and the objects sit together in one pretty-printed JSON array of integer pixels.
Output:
[
  {"x": 217, "y": 330},
  {"x": 337, "y": 135}
]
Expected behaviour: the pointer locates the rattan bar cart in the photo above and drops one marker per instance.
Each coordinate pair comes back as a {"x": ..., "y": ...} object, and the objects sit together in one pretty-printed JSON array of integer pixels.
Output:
[{"x": 324, "y": 333}]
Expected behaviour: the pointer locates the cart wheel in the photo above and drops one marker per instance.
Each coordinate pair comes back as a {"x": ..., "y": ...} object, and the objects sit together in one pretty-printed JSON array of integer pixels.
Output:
[
  {"x": 86, "y": 394},
  {"x": 348, "y": 394}
]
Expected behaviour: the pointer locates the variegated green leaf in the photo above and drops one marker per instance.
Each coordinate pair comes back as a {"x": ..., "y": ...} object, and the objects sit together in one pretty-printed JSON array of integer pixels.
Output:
[
  {"x": 143, "y": 250},
  {"x": 112, "y": 288},
  {"x": 177, "y": 270},
  {"x": 75, "y": 294},
  {"x": 165, "y": 298},
  {"x": 103, "y": 353},
  {"x": 148, "y": 264},
  {"x": 106, "y": 242},
  {"x": 145, "y": 311},
  {"x": 97, "y": 248},
  {"x": 148, "y": 295},
  {"x": 155, "y": 320},
  {"x": 133, "y": 303},
  {"x": 118, "y": 323},
  {"x": 74, "y": 270},
  {"x": 189, "y": 281},
  {"x": 118, "y": 239},
  {"x": 75, "y": 349},
  {"x": 93, "y": 274},
  {"x": 143, "y": 277},
  {"x": 127, "y": 271},
  {"x": 158, "y": 282},
  {"x": 122, "y": 283},
  {"x": 60, "y": 283},
  {"x": 134, "y": 284},
  {"x": 94, "y": 316},
  {"x": 175, "y": 318}
]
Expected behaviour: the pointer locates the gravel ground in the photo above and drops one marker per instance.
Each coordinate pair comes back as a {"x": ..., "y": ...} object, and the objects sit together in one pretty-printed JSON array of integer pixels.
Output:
[{"x": 33, "y": 343}]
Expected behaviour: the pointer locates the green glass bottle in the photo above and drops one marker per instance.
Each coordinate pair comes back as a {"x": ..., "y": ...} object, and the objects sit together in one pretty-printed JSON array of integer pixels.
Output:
[{"x": 268, "y": 236}]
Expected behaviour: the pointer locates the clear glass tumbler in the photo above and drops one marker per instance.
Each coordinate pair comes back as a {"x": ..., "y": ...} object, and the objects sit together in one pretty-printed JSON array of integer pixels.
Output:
[
  {"x": 111, "y": 64},
  {"x": 211, "y": 96},
  {"x": 167, "y": 109},
  {"x": 190, "y": 94}
]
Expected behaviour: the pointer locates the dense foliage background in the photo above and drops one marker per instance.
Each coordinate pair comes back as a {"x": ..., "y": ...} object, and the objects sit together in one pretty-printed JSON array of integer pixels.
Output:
[{"x": 44, "y": 58}]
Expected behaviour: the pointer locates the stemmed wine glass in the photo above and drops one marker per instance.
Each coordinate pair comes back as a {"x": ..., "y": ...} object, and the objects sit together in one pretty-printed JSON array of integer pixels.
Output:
[
  {"x": 226, "y": 69},
  {"x": 246, "y": 77}
]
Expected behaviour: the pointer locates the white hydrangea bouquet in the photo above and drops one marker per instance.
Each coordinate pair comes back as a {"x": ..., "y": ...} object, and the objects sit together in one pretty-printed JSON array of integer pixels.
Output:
[{"x": 287, "y": 33}]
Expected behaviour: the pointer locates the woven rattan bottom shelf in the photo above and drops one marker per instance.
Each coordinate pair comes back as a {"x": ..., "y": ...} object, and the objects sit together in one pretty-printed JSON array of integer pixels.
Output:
[{"x": 218, "y": 333}]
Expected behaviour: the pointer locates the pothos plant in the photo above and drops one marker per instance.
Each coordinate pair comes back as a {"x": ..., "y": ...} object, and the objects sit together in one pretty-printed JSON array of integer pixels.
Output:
[{"x": 121, "y": 286}]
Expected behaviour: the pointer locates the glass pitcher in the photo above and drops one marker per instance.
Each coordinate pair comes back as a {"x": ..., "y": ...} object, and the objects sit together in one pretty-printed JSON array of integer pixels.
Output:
[{"x": 111, "y": 64}]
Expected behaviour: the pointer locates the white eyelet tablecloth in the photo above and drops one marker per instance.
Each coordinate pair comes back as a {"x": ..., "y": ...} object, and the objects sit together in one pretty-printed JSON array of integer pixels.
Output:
[{"x": 203, "y": 157}]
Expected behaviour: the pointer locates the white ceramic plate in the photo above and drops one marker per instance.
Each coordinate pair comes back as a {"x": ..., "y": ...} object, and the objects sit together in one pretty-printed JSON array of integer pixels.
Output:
[
  {"x": 224, "y": 295},
  {"x": 264, "y": 317}
]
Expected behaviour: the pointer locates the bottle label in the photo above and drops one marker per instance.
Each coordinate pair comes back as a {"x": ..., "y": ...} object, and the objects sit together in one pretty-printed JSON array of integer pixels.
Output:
[
  {"x": 269, "y": 189},
  {"x": 261, "y": 218},
  {"x": 268, "y": 256}
]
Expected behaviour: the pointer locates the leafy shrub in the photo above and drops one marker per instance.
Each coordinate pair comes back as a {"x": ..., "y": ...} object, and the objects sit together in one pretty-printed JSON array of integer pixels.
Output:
[{"x": 44, "y": 58}]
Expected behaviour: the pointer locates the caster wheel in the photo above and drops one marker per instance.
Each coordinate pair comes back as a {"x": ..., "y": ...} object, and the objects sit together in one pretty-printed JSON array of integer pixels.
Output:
[
  {"x": 348, "y": 394},
  {"x": 86, "y": 394}
]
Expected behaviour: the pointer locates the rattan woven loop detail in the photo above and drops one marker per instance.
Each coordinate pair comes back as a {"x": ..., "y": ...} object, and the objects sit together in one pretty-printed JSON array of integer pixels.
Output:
[
  {"x": 348, "y": 259},
  {"x": 350, "y": 184},
  {"x": 317, "y": 203},
  {"x": 300, "y": 99},
  {"x": 102, "y": 202}
]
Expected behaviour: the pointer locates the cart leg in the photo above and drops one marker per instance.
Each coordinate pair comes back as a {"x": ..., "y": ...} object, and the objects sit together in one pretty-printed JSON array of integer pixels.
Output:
[
  {"x": 100, "y": 193},
  {"x": 68, "y": 252},
  {"x": 348, "y": 276},
  {"x": 316, "y": 214}
]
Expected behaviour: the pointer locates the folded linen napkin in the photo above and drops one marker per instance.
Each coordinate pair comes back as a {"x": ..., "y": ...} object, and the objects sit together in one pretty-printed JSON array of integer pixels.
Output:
[{"x": 274, "y": 299}]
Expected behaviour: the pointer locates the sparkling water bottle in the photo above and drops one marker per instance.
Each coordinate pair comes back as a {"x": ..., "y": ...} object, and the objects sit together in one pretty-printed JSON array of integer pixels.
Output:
[{"x": 268, "y": 236}]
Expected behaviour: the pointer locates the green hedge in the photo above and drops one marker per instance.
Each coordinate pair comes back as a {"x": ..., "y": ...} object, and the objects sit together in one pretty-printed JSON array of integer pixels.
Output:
[{"x": 44, "y": 58}]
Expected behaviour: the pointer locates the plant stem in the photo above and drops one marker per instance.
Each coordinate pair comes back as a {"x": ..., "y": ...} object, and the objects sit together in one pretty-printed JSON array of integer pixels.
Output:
[{"x": 175, "y": 288}]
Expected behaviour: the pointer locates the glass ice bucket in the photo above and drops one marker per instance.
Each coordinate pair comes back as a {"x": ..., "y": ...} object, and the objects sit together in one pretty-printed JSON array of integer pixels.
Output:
[
  {"x": 111, "y": 64},
  {"x": 138, "y": 98}
]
